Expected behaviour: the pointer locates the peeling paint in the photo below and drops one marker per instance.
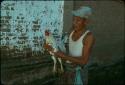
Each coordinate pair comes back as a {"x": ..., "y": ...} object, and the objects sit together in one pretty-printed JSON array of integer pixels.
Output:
[{"x": 25, "y": 20}]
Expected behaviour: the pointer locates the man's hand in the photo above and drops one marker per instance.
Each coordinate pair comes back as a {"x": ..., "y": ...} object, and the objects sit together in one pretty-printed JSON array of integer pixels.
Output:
[
  {"x": 48, "y": 47},
  {"x": 59, "y": 54}
]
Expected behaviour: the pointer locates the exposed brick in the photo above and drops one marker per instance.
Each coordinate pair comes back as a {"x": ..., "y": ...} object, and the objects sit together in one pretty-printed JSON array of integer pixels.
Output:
[
  {"x": 23, "y": 37},
  {"x": 10, "y": 34},
  {"x": 36, "y": 26},
  {"x": 6, "y": 21},
  {"x": 22, "y": 17},
  {"x": 6, "y": 8},
  {"x": 36, "y": 44},
  {"x": 7, "y": 38},
  {"x": 35, "y": 29},
  {"x": 2, "y": 21},
  {"x": 19, "y": 42},
  {"x": 35, "y": 22},
  {"x": 18, "y": 17},
  {"x": 35, "y": 41},
  {"x": 8, "y": 17},
  {"x": 2, "y": 17},
  {"x": 12, "y": 8},
  {"x": 20, "y": 21},
  {"x": 19, "y": 26},
  {"x": 35, "y": 37},
  {"x": 5, "y": 26},
  {"x": 5, "y": 30}
]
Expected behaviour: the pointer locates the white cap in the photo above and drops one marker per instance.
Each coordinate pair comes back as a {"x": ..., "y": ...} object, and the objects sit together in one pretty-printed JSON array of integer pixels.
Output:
[{"x": 83, "y": 12}]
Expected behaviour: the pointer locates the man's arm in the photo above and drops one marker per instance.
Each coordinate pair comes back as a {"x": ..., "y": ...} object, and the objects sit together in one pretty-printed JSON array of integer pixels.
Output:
[{"x": 88, "y": 43}]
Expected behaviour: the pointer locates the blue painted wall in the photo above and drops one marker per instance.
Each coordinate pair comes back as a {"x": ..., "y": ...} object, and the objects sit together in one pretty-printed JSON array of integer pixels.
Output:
[{"x": 23, "y": 22}]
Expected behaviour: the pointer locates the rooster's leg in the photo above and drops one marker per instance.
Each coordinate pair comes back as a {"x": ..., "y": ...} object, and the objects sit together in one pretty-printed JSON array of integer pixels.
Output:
[
  {"x": 62, "y": 70},
  {"x": 54, "y": 66}
]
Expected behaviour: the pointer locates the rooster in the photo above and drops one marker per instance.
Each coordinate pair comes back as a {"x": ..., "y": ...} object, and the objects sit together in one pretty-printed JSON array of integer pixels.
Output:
[{"x": 50, "y": 40}]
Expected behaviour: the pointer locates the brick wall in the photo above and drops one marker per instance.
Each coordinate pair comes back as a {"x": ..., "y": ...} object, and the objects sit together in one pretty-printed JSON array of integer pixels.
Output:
[
  {"x": 22, "y": 36},
  {"x": 23, "y": 22}
]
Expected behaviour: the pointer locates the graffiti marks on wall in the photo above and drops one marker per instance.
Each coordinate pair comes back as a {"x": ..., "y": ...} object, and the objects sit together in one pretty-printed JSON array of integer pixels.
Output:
[{"x": 23, "y": 22}]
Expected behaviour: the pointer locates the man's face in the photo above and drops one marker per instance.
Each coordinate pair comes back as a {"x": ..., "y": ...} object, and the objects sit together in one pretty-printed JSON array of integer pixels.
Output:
[{"x": 78, "y": 22}]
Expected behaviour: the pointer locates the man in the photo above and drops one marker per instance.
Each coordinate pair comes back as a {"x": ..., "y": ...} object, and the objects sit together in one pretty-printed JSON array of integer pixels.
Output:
[{"x": 81, "y": 41}]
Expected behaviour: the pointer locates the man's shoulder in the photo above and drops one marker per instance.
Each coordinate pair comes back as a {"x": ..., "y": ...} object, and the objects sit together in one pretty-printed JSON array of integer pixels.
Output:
[
  {"x": 89, "y": 36},
  {"x": 90, "y": 33}
]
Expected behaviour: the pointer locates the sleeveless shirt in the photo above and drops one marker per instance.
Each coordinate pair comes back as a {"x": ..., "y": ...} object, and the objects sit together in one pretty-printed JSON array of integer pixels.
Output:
[{"x": 76, "y": 47}]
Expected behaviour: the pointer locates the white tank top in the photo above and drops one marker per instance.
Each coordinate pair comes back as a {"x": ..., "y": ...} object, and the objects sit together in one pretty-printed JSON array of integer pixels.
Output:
[{"x": 76, "y": 47}]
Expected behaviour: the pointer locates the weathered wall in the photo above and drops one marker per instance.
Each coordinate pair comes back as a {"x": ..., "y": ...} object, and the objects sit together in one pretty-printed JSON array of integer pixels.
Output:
[
  {"x": 23, "y": 22},
  {"x": 22, "y": 33},
  {"x": 107, "y": 24},
  {"x": 68, "y": 7}
]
